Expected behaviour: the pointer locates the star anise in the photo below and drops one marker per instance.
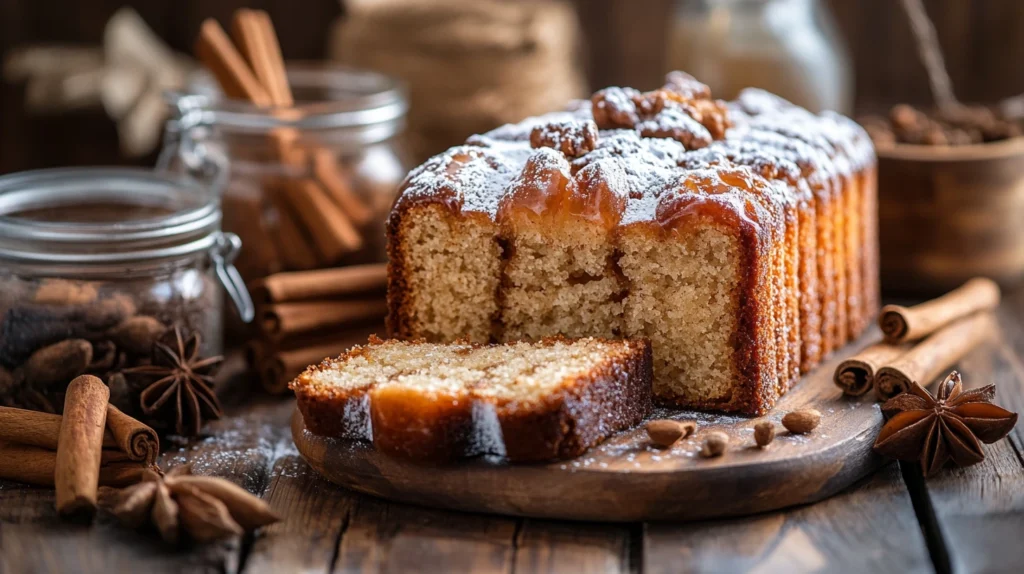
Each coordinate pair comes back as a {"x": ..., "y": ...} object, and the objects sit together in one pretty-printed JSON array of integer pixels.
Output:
[
  {"x": 205, "y": 508},
  {"x": 178, "y": 383},
  {"x": 935, "y": 430}
]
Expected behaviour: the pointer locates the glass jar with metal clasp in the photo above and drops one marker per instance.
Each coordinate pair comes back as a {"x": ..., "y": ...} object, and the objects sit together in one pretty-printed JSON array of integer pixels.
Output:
[{"x": 97, "y": 263}]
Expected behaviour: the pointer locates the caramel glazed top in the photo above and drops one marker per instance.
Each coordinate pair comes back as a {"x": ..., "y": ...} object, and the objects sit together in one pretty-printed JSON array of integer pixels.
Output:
[{"x": 627, "y": 157}]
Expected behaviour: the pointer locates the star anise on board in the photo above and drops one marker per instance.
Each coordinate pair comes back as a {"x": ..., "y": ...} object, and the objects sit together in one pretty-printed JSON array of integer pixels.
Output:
[
  {"x": 205, "y": 508},
  {"x": 179, "y": 383},
  {"x": 951, "y": 426}
]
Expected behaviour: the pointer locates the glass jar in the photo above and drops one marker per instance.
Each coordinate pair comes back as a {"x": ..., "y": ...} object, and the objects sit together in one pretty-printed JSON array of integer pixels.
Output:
[
  {"x": 788, "y": 47},
  {"x": 98, "y": 263},
  {"x": 309, "y": 186}
]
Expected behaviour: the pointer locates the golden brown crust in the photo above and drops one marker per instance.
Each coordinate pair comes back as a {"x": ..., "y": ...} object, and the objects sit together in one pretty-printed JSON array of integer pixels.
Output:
[
  {"x": 399, "y": 317},
  {"x": 585, "y": 412}
]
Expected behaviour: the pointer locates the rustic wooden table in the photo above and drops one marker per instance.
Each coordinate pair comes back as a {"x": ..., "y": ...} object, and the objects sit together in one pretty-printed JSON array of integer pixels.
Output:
[{"x": 969, "y": 520}]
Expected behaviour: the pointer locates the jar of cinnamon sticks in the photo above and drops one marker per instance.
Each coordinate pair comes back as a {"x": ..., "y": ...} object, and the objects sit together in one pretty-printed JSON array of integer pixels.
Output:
[
  {"x": 311, "y": 182},
  {"x": 96, "y": 265}
]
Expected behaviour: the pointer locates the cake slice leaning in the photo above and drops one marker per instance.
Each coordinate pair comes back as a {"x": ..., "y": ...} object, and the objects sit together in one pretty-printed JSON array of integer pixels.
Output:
[{"x": 540, "y": 401}]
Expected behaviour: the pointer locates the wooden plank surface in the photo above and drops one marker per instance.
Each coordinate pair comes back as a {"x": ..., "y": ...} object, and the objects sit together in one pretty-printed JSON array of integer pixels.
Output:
[{"x": 870, "y": 527}]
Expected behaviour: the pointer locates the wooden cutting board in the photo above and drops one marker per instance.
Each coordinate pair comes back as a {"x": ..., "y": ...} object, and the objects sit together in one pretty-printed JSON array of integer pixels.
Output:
[{"x": 626, "y": 479}]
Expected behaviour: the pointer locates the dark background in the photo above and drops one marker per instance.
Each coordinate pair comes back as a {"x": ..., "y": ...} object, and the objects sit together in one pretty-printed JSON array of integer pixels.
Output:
[{"x": 982, "y": 40}]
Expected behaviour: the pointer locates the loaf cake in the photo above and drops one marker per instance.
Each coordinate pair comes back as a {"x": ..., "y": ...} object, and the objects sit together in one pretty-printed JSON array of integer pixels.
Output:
[
  {"x": 739, "y": 237},
  {"x": 547, "y": 400}
]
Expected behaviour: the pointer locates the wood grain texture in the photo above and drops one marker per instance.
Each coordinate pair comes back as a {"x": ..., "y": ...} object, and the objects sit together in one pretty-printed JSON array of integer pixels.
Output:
[
  {"x": 543, "y": 546},
  {"x": 868, "y": 527},
  {"x": 308, "y": 536},
  {"x": 389, "y": 538},
  {"x": 626, "y": 479}
]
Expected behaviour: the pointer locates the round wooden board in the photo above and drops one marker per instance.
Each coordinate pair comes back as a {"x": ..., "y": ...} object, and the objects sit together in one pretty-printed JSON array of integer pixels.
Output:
[{"x": 625, "y": 479}]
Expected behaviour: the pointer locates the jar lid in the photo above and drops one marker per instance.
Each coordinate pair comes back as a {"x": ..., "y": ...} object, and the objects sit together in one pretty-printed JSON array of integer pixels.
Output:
[
  {"x": 104, "y": 215},
  {"x": 361, "y": 106}
]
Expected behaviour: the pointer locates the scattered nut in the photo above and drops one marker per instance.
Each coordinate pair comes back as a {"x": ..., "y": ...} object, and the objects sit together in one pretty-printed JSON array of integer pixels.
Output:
[
  {"x": 664, "y": 432},
  {"x": 802, "y": 421},
  {"x": 714, "y": 444},
  {"x": 764, "y": 433}
]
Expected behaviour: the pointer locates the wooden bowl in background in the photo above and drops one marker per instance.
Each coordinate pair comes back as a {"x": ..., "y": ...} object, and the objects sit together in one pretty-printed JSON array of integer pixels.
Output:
[{"x": 947, "y": 214}]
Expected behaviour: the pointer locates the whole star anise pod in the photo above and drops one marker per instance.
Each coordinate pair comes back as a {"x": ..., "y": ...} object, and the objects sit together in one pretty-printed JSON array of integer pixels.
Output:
[
  {"x": 935, "y": 430},
  {"x": 206, "y": 508},
  {"x": 179, "y": 383}
]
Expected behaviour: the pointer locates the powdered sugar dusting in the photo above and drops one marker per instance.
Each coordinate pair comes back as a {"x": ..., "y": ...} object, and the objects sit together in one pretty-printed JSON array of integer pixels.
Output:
[{"x": 776, "y": 139}]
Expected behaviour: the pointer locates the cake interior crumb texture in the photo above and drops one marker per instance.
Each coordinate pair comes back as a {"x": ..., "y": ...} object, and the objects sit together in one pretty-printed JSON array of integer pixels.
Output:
[{"x": 685, "y": 301}]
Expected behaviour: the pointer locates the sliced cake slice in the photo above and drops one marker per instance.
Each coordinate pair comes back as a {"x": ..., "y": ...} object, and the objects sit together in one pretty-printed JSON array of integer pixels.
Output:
[{"x": 548, "y": 400}]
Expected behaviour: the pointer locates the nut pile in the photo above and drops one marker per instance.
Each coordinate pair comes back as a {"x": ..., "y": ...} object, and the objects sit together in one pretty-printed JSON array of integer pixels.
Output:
[
  {"x": 960, "y": 125},
  {"x": 54, "y": 330}
]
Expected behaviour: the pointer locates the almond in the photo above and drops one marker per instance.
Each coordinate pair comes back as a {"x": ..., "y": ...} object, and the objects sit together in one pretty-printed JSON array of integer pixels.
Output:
[
  {"x": 802, "y": 421},
  {"x": 714, "y": 444},
  {"x": 764, "y": 433},
  {"x": 665, "y": 433}
]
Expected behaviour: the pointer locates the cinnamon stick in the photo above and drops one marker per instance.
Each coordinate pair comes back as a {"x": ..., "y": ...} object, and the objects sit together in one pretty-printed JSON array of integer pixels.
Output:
[
  {"x": 133, "y": 437},
  {"x": 296, "y": 249},
  {"x": 912, "y": 323},
  {"x": 321, "y": 284},
  {"x": 248, "y": 33},
  {"x": 254, "y": 33},
  {"x": 279, "y": 369},
  {"x": 325, "y": 166},
  {"x": 332, "y": 231},
  {"x": 856, "y": 375},
  {"x": 284, "y": 320},
  {"x": 215, "y": 50},
  {"x": 932, "y": 357},
  {"x": 80, "y": 446},
  {"x": 33, "y": 428},
  {"x": 35, "y": 465}
]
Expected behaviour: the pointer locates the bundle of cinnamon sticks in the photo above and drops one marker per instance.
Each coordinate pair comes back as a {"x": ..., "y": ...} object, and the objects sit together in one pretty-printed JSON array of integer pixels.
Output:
[
  {"x": 319, "y": 217},
  {"x": 922, "y": 342},
  {"x": 306, "y": 316},
  {"x": 91, "y": 444}
]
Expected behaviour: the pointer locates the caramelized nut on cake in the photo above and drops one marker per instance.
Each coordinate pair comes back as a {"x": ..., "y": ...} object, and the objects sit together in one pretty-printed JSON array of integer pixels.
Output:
[
  {"x": 764, "y": 433},
  {"x": 687, "y": 86},
  {"x": 614, "y": 108},
  {"x": 803, "y": 421},
  {"x": 714, "y": 444},
  {"x": 675, "y": 123},
  {"x": 573, "y": 137}
]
